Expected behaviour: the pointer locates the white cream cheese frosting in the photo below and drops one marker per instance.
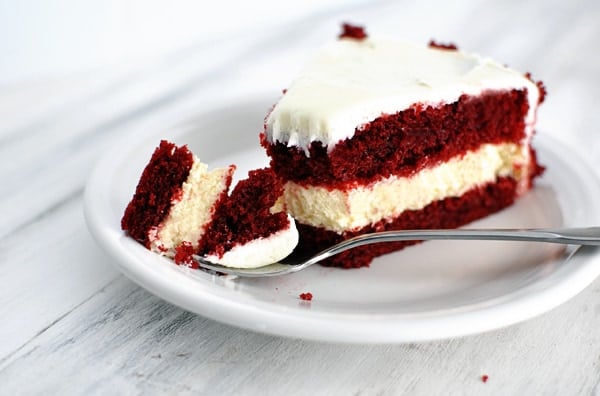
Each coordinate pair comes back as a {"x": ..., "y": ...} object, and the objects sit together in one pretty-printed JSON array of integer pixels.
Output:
[
  {"x": 345, "y": 210},
  {"x": 261, "y": 251},
  {"x": 352, "y": 82}
]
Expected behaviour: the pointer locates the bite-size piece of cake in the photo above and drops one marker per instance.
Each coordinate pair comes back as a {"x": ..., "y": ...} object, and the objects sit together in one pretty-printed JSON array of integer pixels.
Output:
[
  {"x": 181, "y": 208},
  {"x": 377, "y": 134},
  {"x": 251, "y": 228}
]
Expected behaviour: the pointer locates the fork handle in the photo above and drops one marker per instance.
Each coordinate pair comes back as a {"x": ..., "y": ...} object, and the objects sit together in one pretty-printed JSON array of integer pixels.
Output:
[{"x": 569, "y": 236}]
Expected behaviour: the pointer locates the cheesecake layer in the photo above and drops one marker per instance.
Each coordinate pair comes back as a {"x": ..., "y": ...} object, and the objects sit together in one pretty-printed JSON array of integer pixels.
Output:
[{"x": 358, "y": 206}]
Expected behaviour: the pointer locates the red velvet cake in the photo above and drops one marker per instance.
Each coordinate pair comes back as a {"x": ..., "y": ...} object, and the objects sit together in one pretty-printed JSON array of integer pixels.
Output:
[
  {"x": 181, "y": 208},
  {"x": 376, "y": 134}
]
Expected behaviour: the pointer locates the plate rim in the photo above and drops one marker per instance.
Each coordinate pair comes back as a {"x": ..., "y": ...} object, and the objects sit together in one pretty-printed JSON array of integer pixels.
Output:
[{"x": 321, "y": 326}]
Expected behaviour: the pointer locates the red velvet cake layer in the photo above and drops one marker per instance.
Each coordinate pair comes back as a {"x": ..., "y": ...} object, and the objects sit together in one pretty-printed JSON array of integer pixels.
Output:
[
  {"x": 160, "y": 182},
  {"x": 245, "y": 215},
  {"x": 447, "y": 213},
  {"x": 406, "y": 142}
]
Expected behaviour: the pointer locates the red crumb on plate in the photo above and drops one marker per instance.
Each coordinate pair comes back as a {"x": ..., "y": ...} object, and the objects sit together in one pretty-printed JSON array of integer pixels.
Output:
[
  {"x": 484, "y": 378},
  {"x": 306, "y": 296},
  {"x": 353, "y": 32},
  {"x": 449, "y": 46},
  {"x": 183, "y": 255}
]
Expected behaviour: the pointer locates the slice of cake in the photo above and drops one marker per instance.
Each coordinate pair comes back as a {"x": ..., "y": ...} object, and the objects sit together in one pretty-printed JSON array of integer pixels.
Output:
[
  {"x": 180, "y": 208},
  {"x": 377, "y": 134}
]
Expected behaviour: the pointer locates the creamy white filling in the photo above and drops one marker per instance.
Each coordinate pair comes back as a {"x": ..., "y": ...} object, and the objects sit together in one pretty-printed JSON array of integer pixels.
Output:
[
  {"x": 192, "y": 212},
  {"x": 351, "y": 82},
  {"x": 343, "y": 210},
  {"x": 262, "y": 251}
]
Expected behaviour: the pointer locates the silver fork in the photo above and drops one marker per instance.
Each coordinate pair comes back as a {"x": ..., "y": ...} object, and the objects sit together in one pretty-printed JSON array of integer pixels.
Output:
[{"x": 567, "y": 236}]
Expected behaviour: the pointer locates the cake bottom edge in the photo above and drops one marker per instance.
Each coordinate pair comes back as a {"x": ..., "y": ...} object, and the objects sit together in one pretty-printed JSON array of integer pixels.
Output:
[{"x": 447, "y": 213}]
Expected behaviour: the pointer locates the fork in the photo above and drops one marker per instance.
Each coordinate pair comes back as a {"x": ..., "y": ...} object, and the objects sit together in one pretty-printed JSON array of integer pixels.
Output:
[{"x": 567, "y": 236}]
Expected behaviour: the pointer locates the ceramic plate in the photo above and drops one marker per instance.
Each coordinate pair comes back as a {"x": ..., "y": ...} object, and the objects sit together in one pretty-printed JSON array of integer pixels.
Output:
[{"x": 435, "y": 290}]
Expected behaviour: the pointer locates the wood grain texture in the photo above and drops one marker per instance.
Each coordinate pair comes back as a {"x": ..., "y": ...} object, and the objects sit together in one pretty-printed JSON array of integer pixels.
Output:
[{"x": 71, "y": 324}]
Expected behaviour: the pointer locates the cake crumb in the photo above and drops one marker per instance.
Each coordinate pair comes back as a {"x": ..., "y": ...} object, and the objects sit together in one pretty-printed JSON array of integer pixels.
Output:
[
  {"x": 353, "y": 32},
  {"x": 484, "y": 378},
  {"x": 306, "y": 296},
  {"x": 183, "y": 255},
  {"x": 449, "y": 46}
]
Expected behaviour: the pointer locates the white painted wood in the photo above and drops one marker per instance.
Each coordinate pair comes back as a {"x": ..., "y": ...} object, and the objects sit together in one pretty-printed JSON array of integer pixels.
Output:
[{"x": 71, "y": 324}]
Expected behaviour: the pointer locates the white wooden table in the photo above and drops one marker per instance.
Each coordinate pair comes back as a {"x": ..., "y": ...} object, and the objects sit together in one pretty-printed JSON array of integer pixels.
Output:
[{"x": 72, "y": 324}]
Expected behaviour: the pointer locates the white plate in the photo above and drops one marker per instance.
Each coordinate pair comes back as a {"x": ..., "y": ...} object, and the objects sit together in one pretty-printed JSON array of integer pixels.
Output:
[{"x": 435, "y": 290}]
